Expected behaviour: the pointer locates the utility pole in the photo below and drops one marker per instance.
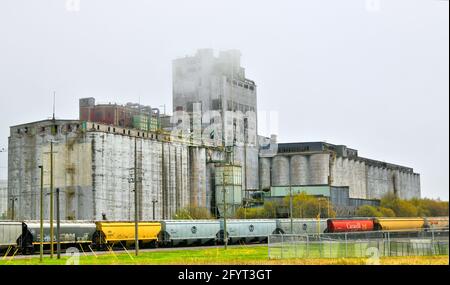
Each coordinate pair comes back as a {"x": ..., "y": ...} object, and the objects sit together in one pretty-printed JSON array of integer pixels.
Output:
[
  {"x": 58, "y": 238},
  {"x": 41, "y": 243},
  {"x": 136, "y": 215},
  {"x": 13, "y": 199},
  {"x": 290, "y": 198},
  {"x": 328, "y": 208},
  {"x": 154, "y": 201},
  {"x": 318, "y": 218},
  {"x": 225, "y": 235},
  {"x": 51, "y": 199}
]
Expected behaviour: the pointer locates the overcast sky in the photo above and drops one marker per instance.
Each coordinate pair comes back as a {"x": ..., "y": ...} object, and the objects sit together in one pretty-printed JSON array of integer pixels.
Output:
[{"x": 372, "y": 75}]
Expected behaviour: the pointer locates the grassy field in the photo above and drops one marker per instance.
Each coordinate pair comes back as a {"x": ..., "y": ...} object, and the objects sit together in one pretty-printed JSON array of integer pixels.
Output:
[{"x": 245, "y": 255}]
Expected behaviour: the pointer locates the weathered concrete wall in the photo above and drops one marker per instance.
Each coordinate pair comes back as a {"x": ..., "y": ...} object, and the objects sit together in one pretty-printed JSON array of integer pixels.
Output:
[
  {"x": 364, "y": 180},
  {"x": 95, "y": 171},
  {"x": 29, "y": 147},
  {"x": 247, "y": 158},
  {"x": 264, "y": 173},
  {"x": 162, "y": 166},
  {"x": 352, "y": 173},
  {"x": 198, "y": 177},
  {"x": 373, "y": 182},
  {"x": 280, "y": 171},
  {"x": 409, "y": 185},
  {"x": 319, "y": 169},
  {"x": 300, "y": 174}
]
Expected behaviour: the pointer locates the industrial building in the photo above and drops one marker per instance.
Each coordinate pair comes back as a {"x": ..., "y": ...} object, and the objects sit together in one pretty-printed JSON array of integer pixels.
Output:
[
  {"x": 310, "y": 166},
  {"x": 220, "y": 89},
  {"x": 195, "y": 158}
]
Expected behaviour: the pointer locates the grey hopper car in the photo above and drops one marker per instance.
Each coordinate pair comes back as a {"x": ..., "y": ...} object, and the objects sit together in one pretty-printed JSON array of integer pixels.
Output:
[
  {"x": 187, "y": 232},
  {"x": 301, "y": 226},
  {"x": 71, "y": 232},
  {"x": 9, "y": 233},
  {"x": 253, "y": 230}
]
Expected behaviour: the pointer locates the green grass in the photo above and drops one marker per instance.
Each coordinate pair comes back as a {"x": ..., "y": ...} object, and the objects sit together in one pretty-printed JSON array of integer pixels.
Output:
[
  {"x": 191, "y": 256},
  {"x": 234, "y": 255}
]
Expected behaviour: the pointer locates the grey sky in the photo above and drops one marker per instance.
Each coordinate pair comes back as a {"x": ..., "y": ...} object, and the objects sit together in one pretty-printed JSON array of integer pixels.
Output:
[{"x": 372, "y": 77}]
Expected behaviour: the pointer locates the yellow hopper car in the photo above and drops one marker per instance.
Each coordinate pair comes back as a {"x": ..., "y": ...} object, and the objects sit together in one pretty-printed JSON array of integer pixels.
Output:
[
  {"x": 437, "y": 222},
  {"x": 398, "y": 224},
  {"x": 111, "y": 233}
]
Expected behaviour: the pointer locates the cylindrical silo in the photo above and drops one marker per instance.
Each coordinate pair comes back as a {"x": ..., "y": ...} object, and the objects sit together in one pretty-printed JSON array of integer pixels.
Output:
[
  {"x": 280, "y": 171},
  {"x": 319, "y": 168},
  {"x": 396, "y": 182},
  {"x": 299, "y": 170},
  {"x": 198, "y": 176},
  {"x": 264, "y": 173}
]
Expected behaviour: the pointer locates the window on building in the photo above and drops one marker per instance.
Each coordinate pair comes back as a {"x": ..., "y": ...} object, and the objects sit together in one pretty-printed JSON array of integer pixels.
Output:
[{"x": 216, "y": 104}]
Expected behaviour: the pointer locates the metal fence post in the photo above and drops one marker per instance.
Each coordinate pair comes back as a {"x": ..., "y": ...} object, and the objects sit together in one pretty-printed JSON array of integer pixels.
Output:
[
  {"x": 389, "y": 244},
  {"x": 307, "y": 246},
  {"x": 330, "y": 249},
  {"x": 346, "y": 245},
  {"x": 295, "y": 246}
]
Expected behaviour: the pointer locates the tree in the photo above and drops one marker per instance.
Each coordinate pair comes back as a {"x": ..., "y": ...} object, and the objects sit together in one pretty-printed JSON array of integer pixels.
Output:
[
  {"x": 306, "y": 206},
  {"x": 431, "y": 208},
  {"x": 389, "y": 200},
  {"x": 405, "y": 209},
  {"x": 386, "y": 212},
  {"x": 270, "y": 209},
  {"x": 193, "y": 213},
  {"x": 401, "y": 208},
  {"x": 368, "y": 211}
]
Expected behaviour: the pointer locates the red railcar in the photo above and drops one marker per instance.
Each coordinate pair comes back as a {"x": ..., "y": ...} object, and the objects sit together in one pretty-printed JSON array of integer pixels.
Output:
[{"x": 337, "y": 225}]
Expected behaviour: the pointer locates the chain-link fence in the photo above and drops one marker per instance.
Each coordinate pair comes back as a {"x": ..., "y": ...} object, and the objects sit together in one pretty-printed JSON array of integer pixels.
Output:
[{"x": 359, "y": 244}]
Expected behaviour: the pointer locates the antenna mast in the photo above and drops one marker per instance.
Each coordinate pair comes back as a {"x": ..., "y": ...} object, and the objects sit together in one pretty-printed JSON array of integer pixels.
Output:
[{"x": 54, "y": 95}]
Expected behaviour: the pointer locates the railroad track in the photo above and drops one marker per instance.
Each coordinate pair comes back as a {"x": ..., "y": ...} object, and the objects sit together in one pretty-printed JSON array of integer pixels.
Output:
[{"x": 131, "y": 250}]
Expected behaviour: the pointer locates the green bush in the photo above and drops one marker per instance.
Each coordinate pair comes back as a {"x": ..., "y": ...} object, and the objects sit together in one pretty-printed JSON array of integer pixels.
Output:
[
  {"x": 414, "y": 207},
  {"x": 193, "y": 213},
  {"x": 368, "y": 211},
  {"x": 386, "y": 212}
]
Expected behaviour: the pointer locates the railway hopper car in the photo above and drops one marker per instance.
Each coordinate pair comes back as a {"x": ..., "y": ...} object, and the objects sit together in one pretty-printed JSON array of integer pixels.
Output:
[
  {"x": 301, "y": 226},
  {"x": 113, "y": 233},
  {"x": 9, "y": 234},
  {"x": 349, "y": 225},
  {"x": 436, "y": 222},
  {"x": 256, "y": 230},
  {"x": 398, "y": 224},
  {"x": 71, "y": 232},
  {"x": 176, "y": 232}
]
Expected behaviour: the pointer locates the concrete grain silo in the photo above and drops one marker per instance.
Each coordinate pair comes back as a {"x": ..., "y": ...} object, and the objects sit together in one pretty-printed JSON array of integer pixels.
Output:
[
  {"x": 299, "y": 170},
  {"x": 319, "y": 168},
  {"x": 280, "y": 171},
  {"x": 264, "y": 173}
]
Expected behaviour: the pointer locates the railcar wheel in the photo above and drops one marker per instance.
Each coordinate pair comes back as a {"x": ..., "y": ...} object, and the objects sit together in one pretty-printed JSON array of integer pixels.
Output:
[
  {"x": 98, "y": 240},
  {"x": 278, "y": 231}
]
